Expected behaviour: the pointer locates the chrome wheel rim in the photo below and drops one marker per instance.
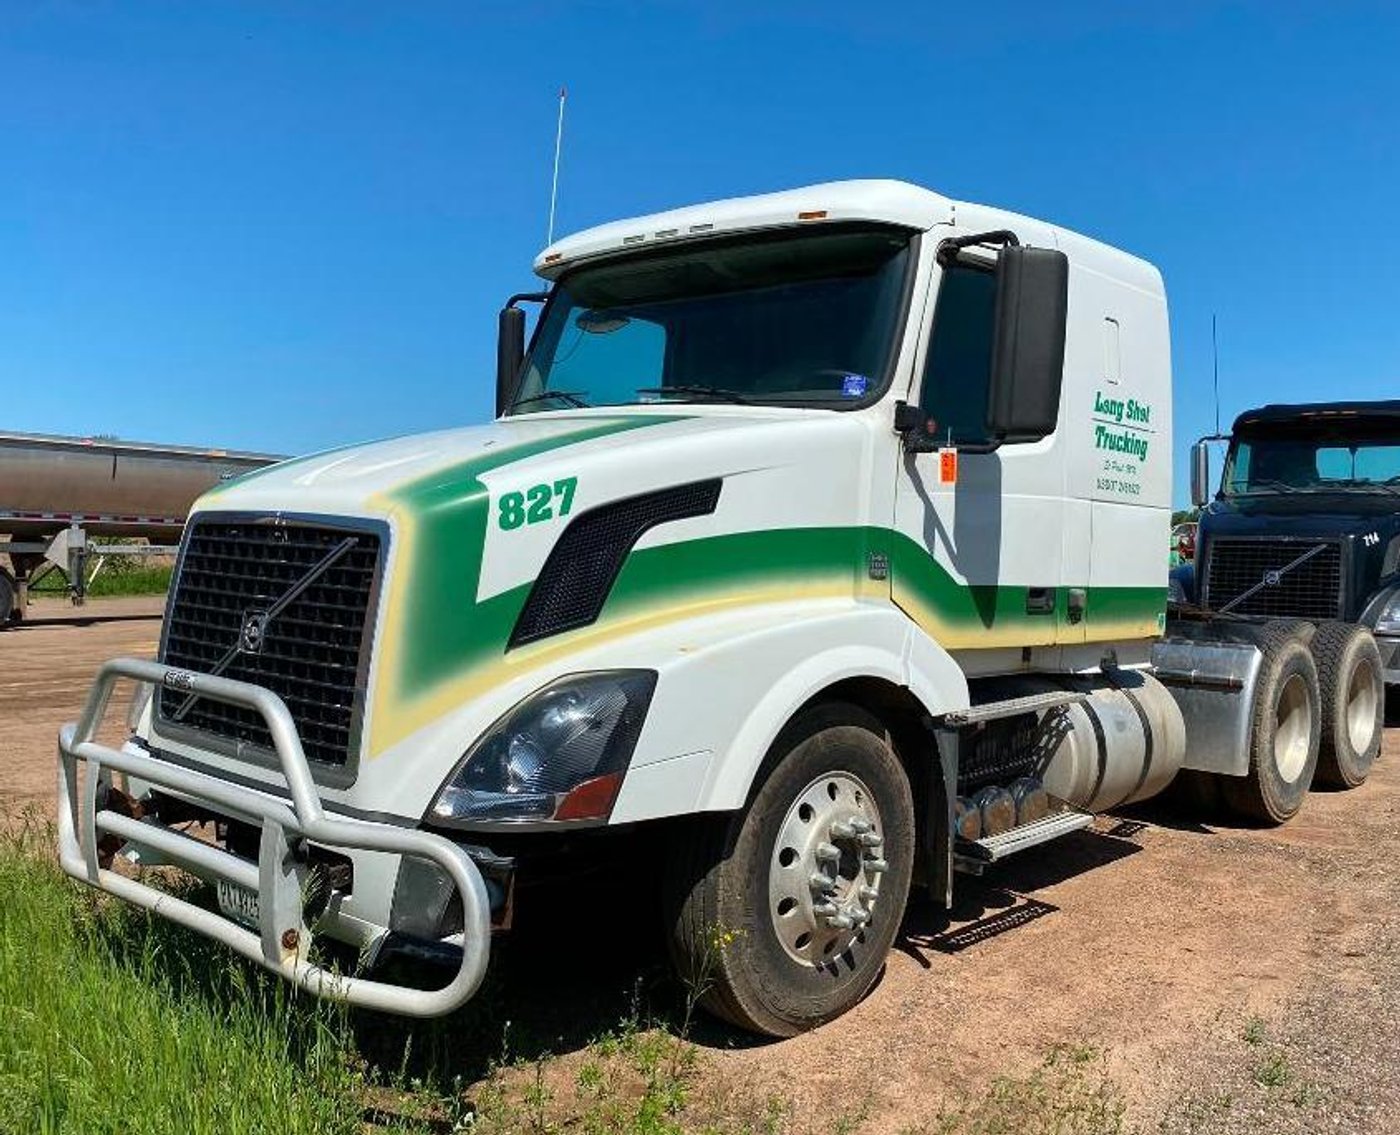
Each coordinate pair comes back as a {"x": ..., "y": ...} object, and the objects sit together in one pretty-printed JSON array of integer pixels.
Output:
[
  {"x": 1292, "y": 729},
  {"x": 1361, "y": 706},
  {"x": 824, "y": 877}
]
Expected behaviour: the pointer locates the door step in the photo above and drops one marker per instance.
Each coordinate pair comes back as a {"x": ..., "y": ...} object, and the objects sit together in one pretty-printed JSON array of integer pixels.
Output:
[
  {"x": 974, "y": 854},
  {"x": 1011, "y": 707}
]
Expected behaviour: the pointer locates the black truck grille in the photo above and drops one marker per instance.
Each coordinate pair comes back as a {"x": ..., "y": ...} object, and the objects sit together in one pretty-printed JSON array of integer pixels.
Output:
[
  {"x": 1312, "y": 590},
  {"x": 233, "y": 607}
]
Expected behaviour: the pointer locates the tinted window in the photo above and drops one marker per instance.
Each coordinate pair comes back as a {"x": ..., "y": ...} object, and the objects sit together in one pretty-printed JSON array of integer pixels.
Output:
[{"x": 958, "y": 367}]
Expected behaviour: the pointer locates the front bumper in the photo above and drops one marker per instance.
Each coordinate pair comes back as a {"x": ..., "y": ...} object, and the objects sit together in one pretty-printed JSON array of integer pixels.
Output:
[{"x": 280, "y": 877}]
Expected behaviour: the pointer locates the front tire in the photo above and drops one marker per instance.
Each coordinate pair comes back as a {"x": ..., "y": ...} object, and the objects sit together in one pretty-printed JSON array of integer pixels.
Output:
[
  {"x": 782, "y": 914},
  {"x": 1349, "y": 673}
]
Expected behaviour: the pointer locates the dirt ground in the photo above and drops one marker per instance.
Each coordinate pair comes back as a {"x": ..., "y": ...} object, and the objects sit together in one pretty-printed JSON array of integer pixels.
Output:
[{"x": 1234, "y": 979}]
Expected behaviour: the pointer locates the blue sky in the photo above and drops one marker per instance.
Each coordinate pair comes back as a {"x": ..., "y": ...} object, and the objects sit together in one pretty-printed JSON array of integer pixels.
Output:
[{"x": 288, "y": 226}]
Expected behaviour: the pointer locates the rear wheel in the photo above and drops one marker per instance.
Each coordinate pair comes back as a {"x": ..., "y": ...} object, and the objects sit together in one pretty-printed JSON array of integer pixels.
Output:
[
  {"x": 1353, "y": 703},
  {"x": 1284, "y": 739},
  {"x": 782, "y": 914},
  {"x": 9, "y": 613}
]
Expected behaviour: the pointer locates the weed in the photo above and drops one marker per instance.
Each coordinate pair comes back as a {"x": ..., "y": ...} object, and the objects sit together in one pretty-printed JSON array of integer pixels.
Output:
[
  {"x": 1254, "y": 1032},
  {"x": 1272, "y": 1071},
  {"x": 1069, "y": 1094}
]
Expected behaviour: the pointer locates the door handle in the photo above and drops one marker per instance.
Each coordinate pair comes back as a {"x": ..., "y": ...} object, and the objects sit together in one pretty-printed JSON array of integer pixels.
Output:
[{"x": 1040, "y": 601}]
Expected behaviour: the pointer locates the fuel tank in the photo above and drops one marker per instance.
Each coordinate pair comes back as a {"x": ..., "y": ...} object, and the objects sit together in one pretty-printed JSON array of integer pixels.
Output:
[
  {"x": 116, "y": 488},
  {"x": 1123, "y": 743}
]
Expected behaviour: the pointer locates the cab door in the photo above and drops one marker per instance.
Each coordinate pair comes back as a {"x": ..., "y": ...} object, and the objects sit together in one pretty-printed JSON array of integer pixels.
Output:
[{"x": 985, "y": 529}]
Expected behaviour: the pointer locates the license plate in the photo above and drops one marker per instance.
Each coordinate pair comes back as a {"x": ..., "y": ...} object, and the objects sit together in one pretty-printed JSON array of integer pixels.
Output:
[{"x": 239, "y": 903}]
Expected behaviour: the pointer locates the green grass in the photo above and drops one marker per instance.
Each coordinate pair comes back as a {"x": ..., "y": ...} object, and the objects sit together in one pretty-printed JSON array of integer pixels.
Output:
[
  {"x": 139, "y": 579},
  {"x": 115, "y": 1022},
  {"x": 119, "y": 577}
]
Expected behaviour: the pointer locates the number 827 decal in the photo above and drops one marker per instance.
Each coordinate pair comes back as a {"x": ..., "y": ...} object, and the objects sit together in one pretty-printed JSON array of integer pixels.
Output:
[{"x": 537, "y": 503}]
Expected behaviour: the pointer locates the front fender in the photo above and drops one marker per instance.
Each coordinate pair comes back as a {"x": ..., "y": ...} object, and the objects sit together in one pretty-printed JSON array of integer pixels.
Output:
[{"x": 719, "y": 708}]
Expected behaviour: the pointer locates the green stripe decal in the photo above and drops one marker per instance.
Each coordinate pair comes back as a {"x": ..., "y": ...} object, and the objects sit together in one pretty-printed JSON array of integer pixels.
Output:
[{"x": 443, "y": 629}]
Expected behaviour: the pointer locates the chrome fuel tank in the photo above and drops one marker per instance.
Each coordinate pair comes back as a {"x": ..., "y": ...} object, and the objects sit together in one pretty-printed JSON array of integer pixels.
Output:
[{"x": 1123, "y": 743}]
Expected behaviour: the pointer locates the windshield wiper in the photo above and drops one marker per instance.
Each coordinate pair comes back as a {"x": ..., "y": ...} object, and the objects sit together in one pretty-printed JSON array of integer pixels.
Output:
[
  {"x": 1366, "y": 486},
  {"x": 713, "y": 393},
  {"x": 569, "y": 397},
  {"x": 1253, "y": 485}
]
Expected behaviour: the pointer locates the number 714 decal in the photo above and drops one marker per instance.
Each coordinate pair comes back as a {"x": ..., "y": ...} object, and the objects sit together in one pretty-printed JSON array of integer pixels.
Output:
[{"x": 537, "y": 503}]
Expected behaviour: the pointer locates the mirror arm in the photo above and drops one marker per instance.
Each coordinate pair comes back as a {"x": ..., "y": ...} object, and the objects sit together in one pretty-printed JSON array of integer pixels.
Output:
[{"x": 948, "y": 249}]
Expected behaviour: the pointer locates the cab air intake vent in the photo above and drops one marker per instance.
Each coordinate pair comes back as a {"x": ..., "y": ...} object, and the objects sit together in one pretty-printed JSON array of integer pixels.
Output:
[{"x": 577, "y": 578}]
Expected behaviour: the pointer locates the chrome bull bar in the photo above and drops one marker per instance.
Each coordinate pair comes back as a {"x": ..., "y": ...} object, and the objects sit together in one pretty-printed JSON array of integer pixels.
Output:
[{"x": 283, "y": 940}]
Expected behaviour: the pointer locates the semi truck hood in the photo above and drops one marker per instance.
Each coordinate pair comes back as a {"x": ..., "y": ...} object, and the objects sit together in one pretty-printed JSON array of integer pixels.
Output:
[{"x": 474, "y": 515}]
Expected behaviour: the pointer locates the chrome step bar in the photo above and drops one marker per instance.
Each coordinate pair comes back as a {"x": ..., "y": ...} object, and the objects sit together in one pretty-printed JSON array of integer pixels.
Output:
[
  {"x": 974, "y": 854},
  {"x": 1011, "y": 707}
]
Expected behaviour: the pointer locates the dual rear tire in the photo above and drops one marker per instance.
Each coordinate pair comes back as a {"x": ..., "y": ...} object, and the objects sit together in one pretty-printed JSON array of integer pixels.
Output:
[{"x": 1318, "y": 716}]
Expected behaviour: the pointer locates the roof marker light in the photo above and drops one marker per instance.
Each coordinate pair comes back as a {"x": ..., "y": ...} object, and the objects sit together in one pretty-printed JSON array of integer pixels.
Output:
[
  {"x": 812, "y": 215},
  {"x": 702, "y": 228},
  {"x": 662, "y": 233},
  {"x": 634, "y": 238},
  {"x": 553, "y": 256}
]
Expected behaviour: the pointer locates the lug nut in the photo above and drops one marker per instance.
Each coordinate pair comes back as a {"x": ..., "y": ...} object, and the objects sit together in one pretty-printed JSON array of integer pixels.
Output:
[
  {"x": 869, "y": 894},
  {"x": 842, "y": 830},
  {"x": 871, "y": 839},
  {"x": 822, "y": 883},
  {"x": 290, "y": 939},
  {"x": 859, "y": 916},
  {"x": 861, "y": 826},
  {"x": 825, "y": 908},
  {"x": 828, "y": 853},
  {"x": 839, "y": 921},
  {"x": 876, "y": 866}
]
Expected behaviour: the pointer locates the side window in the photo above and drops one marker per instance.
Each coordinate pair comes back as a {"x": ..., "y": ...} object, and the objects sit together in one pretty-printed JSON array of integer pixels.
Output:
[{"x": 958, "y": 368}]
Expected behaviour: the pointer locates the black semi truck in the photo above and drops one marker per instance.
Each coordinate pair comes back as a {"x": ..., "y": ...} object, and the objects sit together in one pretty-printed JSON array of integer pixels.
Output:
[{"x": 1302, "y": 539}]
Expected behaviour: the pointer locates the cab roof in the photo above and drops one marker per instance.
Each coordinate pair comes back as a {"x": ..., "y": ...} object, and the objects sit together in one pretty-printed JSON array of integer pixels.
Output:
[
  {"x": 1316, "y": 414},
  {"x": 876, "y": 201}
]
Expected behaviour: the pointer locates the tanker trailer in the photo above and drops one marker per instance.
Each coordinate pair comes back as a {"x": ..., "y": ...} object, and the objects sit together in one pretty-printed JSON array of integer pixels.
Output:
[{"x": 56, "y": 492}]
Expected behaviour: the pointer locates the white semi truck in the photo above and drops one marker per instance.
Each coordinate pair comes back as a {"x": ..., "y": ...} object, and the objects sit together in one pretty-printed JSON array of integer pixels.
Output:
[{"x": 816, "y": 549}]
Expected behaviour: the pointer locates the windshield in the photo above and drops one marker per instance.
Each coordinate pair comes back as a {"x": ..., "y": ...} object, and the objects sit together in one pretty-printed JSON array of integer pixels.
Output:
[
  {"x": 784, "y": 319},
  {"x": 1313, "y": 464}
]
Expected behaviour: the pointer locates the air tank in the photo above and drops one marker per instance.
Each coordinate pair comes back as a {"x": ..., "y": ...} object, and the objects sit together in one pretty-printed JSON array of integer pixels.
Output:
[
  {"x": 1123, "y": 743},
  {"x": 117, "y": 488}
]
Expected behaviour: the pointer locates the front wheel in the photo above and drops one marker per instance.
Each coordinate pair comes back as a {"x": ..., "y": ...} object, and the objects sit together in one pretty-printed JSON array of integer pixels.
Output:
[{"x": 782, "y": 914}]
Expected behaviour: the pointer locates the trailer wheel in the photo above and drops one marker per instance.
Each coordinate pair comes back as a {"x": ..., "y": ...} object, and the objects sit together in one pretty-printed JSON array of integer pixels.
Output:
[
  {"x": 1353, "y": 703},
  {"x": 1284, "y": 739},
  {"x": 781, "y": 915},
  {"x": 9, "y": 613}
]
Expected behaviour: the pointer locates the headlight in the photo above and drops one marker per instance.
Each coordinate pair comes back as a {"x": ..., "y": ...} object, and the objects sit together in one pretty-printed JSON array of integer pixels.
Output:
[
  {"x": 559, "y": 755},
  {"x": 1388, "y": 620}
]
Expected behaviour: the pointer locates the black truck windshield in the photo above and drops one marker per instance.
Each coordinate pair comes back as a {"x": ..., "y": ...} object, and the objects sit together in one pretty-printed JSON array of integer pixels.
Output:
[
  {"x": 798, "y": 319},
  {"x": 1303, "y": 463}
]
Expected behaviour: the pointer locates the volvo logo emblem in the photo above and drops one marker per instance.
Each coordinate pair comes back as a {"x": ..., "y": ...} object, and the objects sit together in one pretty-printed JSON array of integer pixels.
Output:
[
  {"x": 1271, "y": 578},
  {"x": 253, "y": 633}
]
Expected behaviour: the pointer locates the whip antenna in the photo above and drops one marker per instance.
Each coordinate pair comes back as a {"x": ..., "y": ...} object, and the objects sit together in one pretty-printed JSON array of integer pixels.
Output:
[
  {"x": 1215, "y": 365},
  {"x": 558, "y": 147}
]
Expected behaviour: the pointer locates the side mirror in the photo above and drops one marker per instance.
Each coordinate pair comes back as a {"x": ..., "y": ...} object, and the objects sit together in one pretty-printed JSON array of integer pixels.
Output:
[
  {"x": 1028, "y": 346},
  {"x": 1200, "y": 474},
  {"x": 510, "y": 353}
]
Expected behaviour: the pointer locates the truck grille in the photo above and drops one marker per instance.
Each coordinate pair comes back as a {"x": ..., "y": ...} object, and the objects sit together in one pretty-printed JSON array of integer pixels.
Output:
[
  {"x": 1312, "y": 590},
  {"x": 311, "y": 648}
]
